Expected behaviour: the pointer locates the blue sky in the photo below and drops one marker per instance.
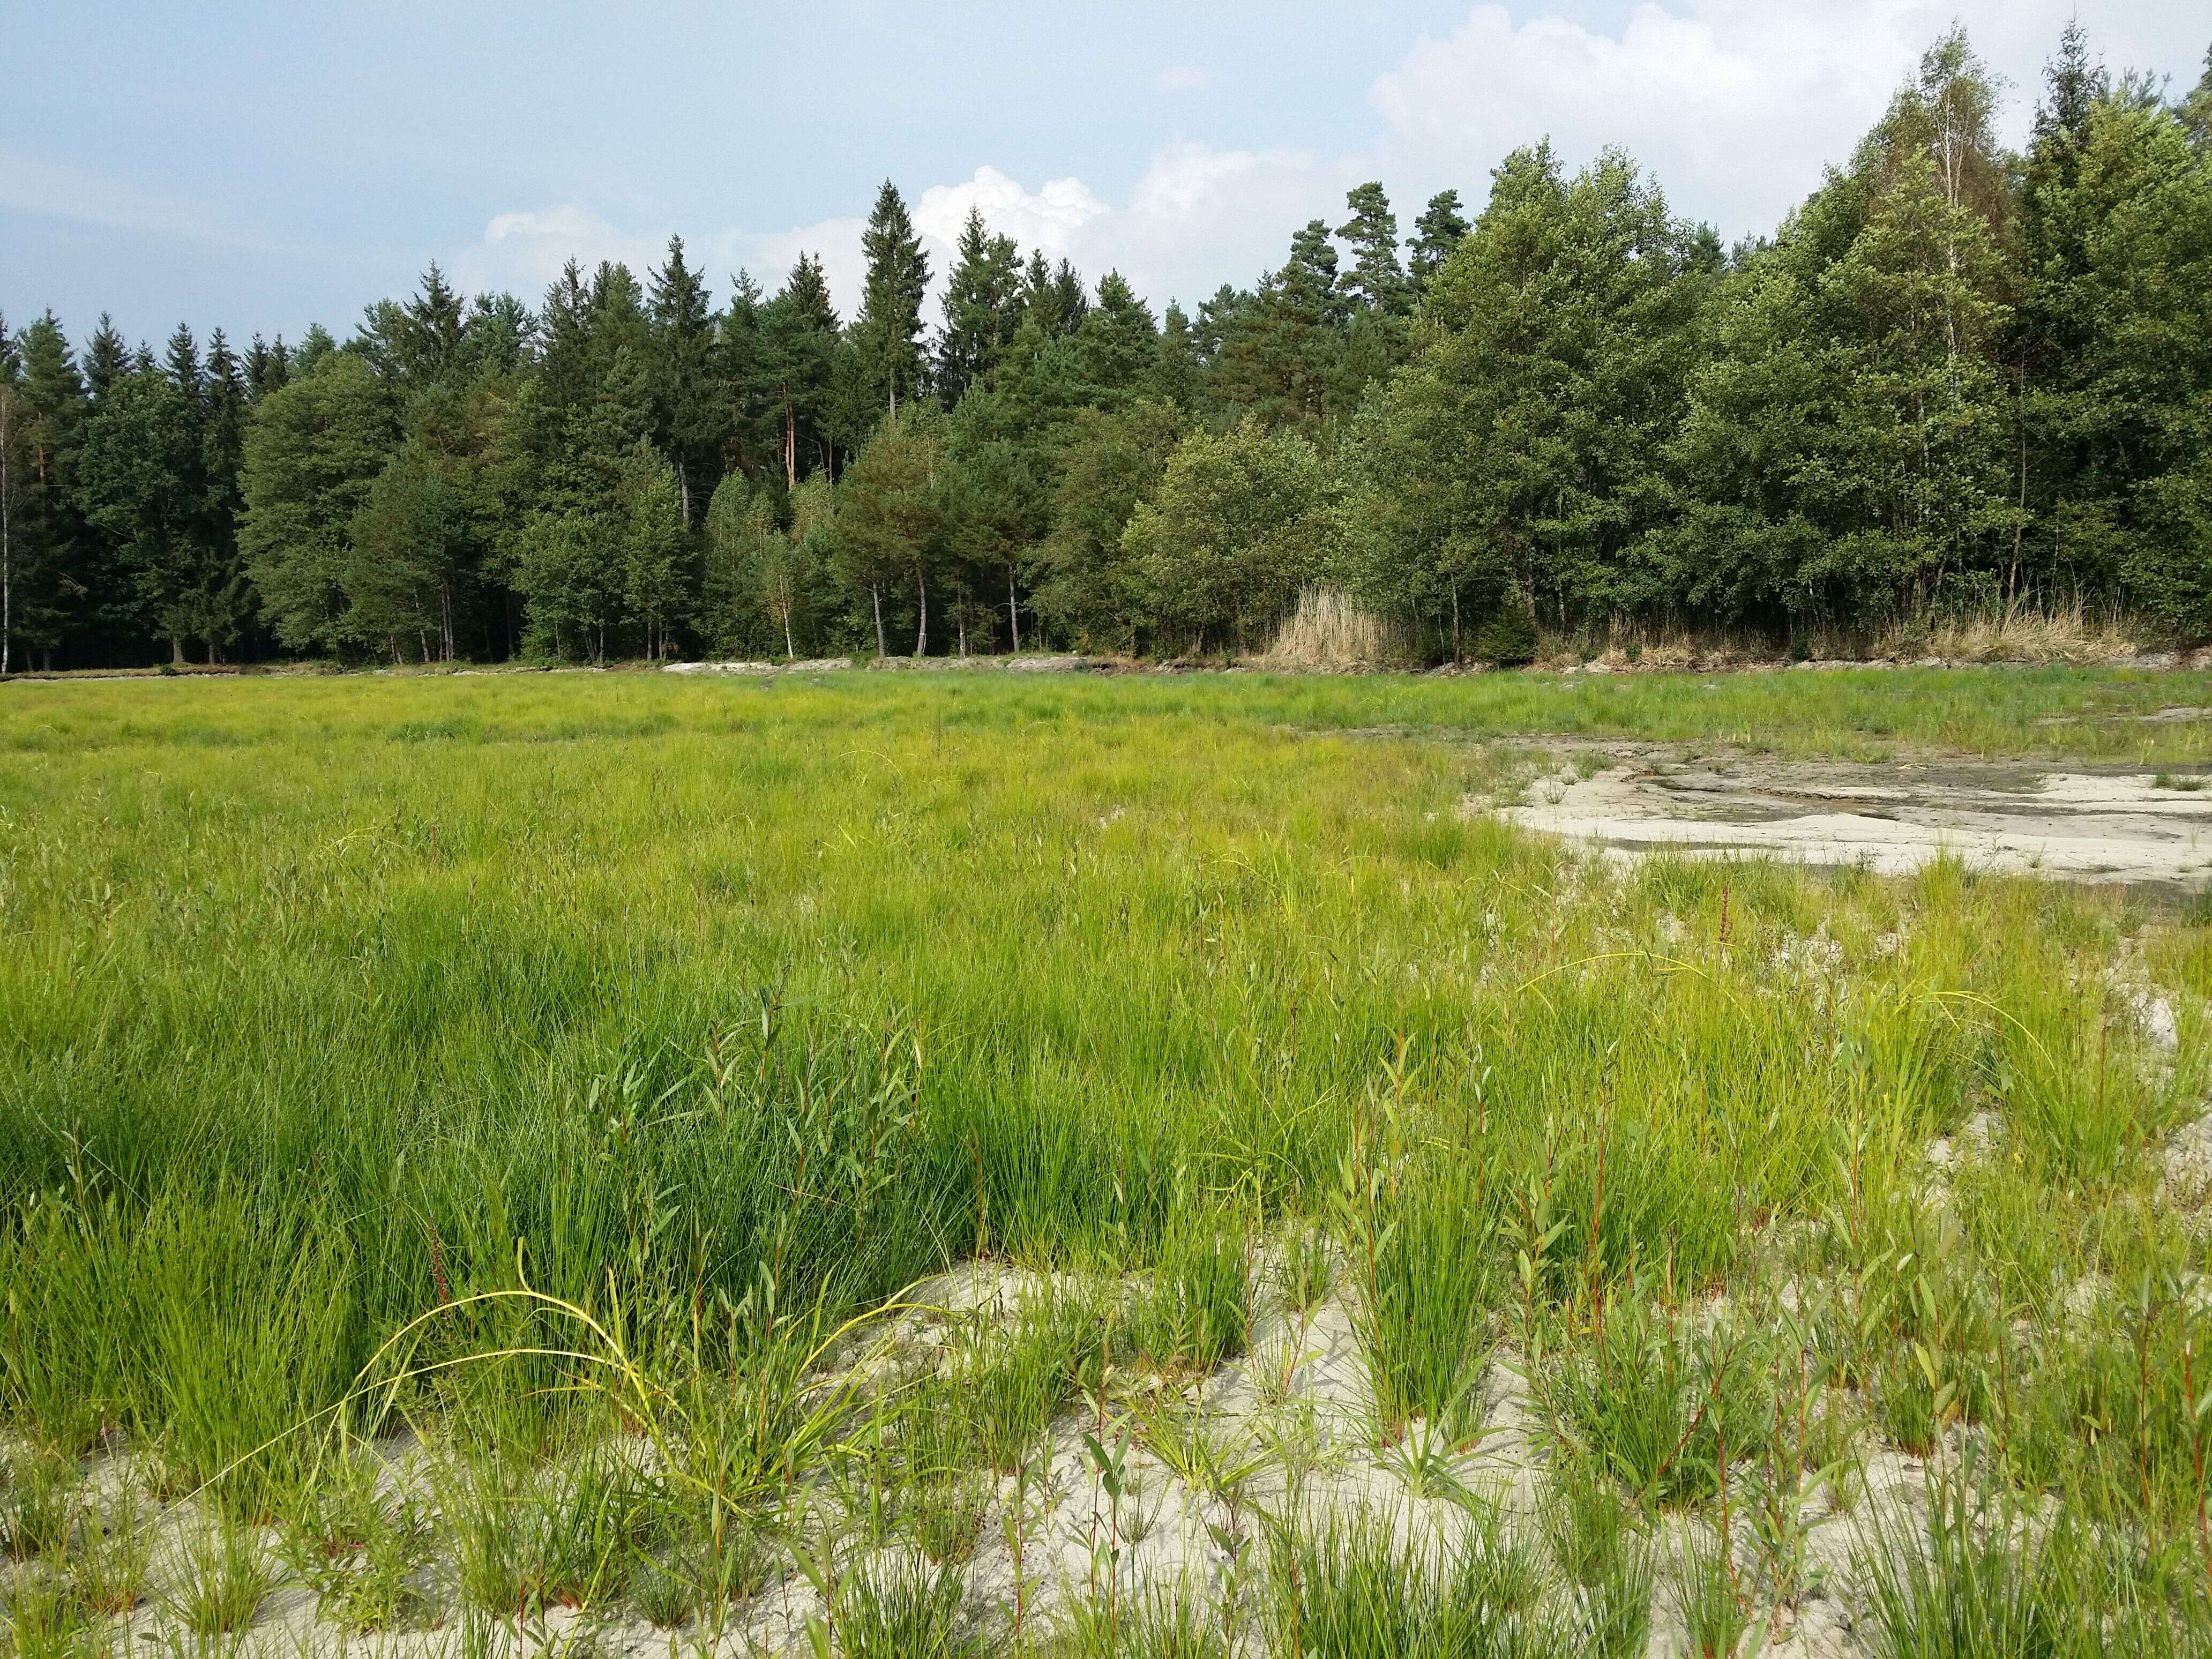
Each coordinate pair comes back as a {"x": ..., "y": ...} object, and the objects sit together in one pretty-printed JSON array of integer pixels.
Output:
[{"x": 260, "y": 165}]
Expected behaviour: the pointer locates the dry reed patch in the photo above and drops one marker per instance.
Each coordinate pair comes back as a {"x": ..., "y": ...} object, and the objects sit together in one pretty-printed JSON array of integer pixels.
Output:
[
  {"x": 1331, "y": 629},
  {"x": 2017, "y": 633}
]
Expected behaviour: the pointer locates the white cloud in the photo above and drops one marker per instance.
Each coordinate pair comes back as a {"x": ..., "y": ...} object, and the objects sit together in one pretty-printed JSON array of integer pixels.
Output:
[
  {"x": 28, "y": 185},
  {"x": 1735, "y": 105},
  {"x": 524, "y": 252},
  {"x": 1200, "y": 215},
  {"x": 770, "y": 256},
  {"x": 1053, "y": 218}
]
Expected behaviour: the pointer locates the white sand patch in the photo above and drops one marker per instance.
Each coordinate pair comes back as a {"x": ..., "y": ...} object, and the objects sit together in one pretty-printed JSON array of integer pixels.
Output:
[{"x": 1890, "y": 818}]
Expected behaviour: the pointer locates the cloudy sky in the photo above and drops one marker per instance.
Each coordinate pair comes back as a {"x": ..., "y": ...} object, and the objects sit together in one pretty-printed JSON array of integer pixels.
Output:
[{"x": 261, "y": 166}]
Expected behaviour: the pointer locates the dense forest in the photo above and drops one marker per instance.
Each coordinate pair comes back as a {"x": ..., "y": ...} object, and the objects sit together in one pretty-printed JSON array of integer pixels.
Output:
[{"x": 1956, "y": 378}]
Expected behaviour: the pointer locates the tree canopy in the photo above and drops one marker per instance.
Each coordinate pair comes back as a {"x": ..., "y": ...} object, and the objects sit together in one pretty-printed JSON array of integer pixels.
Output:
[{"x": 1955, "y": 378}]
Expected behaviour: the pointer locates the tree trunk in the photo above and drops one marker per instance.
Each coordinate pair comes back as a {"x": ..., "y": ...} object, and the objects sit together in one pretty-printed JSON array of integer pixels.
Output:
[
  {"x": 684, "y": 490},
  {"x": 790, "y": 651},
  {"x": 790, "y": 443},
  {"x": 877, "y": 593},
  {"x": 177, "y": 650},
  {"x": 922, "y": 625},
  {"x": 1457, "y": 656},
  {"x": 7, "y": 567},
  {"x": 1013, "y": 610},
  {"x": 960, "y": 616}
]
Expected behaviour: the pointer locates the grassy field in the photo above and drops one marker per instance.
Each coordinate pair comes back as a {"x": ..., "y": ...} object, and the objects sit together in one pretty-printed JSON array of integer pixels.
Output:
[{"x": 554, "y": 1075}]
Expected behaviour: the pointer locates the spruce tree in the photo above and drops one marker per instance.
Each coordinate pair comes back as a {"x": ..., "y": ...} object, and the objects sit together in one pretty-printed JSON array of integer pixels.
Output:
[
  {"x": 1117, "y": 345},
  {"x": 800, "y": 349},
  {"x": 981, "y": 308},
  {"x": 182, "y": 360},
  {"x": 428, "y": 330},
  {"x": 1176, "y": 368},
  {"x": 691, "y": 416},
  {"x": 1280, "y": 357},
  {"x": 1069, "y": 302},
  {"x": 106, "y": 356},
  {"x": 1040, "y": 300},
  {"x": 889, "y": 323},
  {"x": 10, "y": 476},
  {"x": 267, "y": 366}
]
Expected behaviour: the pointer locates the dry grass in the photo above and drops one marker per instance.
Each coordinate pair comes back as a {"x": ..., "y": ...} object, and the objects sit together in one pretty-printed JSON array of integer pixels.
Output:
[
  {"x": 2066, "y": 633},
  {"x": 1331, "y": 629}
]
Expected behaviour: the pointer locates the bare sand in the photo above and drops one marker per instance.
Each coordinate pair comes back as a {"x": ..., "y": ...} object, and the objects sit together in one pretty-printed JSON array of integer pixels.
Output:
[{"x": 1890, "y": 816}]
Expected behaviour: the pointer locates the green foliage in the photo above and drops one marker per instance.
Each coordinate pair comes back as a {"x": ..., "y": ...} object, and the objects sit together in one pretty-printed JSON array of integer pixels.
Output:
[
  {"x": 1379, "y": 1585},
  {"x": 1418, "y": 1241},
  {"x": 1955, "y": 383},
  {"x": 1200, "y": 1310},
  {"x": 900, "y": 1608},
  {"x": 311, "y": 455},
  {"x": 1508, "y": 636},
  {"x": 1230, "y": 538},
  {"x": 745, "y": 1049},
  {"x": 1660, "y": 1405},
  {"x": 220, "y": 1576}
]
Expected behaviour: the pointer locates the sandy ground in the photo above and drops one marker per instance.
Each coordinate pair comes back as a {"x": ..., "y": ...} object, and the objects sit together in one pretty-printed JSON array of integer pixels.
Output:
[
  {"x": 1890, "y": 816},
  {"x": 1295, "y": 1413}
]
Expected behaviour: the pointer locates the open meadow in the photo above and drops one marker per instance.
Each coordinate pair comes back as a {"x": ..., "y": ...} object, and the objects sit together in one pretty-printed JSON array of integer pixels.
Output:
[{"x": 942, "y": 1164}]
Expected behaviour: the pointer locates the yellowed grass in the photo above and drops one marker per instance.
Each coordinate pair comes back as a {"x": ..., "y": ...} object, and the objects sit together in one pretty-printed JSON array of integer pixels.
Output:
[
  {"x": 2068, "y": 633},
  {"x": 1331, "y": 629}
]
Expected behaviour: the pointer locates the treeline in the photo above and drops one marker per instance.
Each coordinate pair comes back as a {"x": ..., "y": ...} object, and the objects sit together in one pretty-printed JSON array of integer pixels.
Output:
[{"x": 1956, "y": 378}]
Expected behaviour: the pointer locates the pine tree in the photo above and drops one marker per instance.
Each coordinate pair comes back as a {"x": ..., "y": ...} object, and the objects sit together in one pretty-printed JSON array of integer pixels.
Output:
[
  {"x": 1441, "y": 228},
  {"x": 889, "y": 323},
  {"x": 2196, "y": 108},
  {"x": 1376, "y": 281}
]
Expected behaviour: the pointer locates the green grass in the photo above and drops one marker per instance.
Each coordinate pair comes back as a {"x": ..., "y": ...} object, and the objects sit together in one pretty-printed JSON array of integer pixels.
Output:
[{"x": 531, "y": 1059}]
